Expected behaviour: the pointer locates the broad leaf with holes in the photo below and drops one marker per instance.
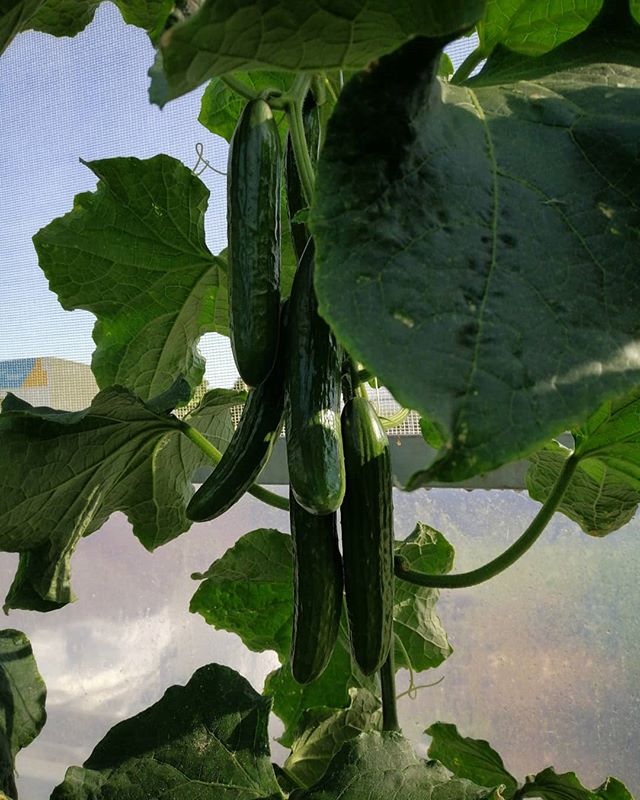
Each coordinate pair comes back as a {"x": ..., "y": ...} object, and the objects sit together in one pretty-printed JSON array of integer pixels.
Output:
[
  {"x": 22, "y": 699},
  {"x": 62, "y": 474},
  {"x": 383, "y": 766},
  {"x": 473, "y": 759},
  {"x": 204, "y": 741},
  {"x": 133, "y": 253},
  {"x": 295, "y": 35},
  {"x": 463, "y": 224}
]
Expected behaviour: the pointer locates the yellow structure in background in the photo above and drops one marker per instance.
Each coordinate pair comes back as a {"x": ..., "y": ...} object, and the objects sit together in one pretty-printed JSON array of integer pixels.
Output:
[{"x": 48, "y": 381}]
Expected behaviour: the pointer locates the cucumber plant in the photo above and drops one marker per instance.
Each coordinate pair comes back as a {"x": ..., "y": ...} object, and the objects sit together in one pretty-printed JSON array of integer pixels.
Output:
[{"x": 389, "y": 220}]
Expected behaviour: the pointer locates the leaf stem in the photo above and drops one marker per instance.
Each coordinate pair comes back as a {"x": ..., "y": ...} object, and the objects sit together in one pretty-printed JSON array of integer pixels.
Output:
[
  {"x": 468, "y": 65},
  {"x": 259, "y": 492},
  {"x": 238, "y": 86},
  {"x": 388, "y": 688},
  {"x": 510, "y": 555},
  {"x": 293, "y": 107}
]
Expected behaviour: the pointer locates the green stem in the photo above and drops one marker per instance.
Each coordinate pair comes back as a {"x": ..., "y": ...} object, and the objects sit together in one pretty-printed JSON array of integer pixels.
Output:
[
  {"x": 388, "y": 688},
  {"x": 468, "y": 65},
  {"x": 510, "y": 555},
  {"x": 298, "y": 138},
  {"x": 259, "y": 492},
  {"x": 239, "y": 87}
]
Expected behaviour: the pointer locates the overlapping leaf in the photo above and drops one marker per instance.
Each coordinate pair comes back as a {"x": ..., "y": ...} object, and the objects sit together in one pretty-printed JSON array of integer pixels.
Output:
[
  {"x": 295, "y": 35},
  {"x": 323, "y": 731},
  {"x": 205, "y": 741},
  {"x": 63, "y": 473},
  {"x": 421, "y": 641},
  {"x": 257, "y": 574},
  {"x": 383, "y": 766},
  {"x": 463, "y": 224},
  {"x": 595, "y": 498},
  {"x": 533, "y": 27},
  {"x": 22, "y": 699},
  {"x": 133, "y": 252}
]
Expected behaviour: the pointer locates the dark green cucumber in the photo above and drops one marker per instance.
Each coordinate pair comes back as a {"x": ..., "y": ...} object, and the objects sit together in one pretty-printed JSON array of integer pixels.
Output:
[
  {"x": 295, "y": 196},
  {"x": 312, "y": 411},
  {"x": 366, "y": 519},
  {"x": 247, "y": 452},
  {"x": 317, "y": 591},
  {"x": 253, "y": 227}
]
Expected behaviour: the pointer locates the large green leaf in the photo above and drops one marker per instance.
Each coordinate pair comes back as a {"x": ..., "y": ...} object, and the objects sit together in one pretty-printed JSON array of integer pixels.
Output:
[
  {"x": 489, "y": 235},
  {"x": 635, "y": 9},
  {"x": 22, "y": 699},
  {"x": 533, "y": 26},
  {"x": 249, "y": 591},
  {"x": 63, "y": 473},
  {"x": 613, "y": 789},
  {"x": 133, "y": 252},
  {"x": 417, "y": 627},
  {"x": 204, "y": 741},
  {"x": 549, "y": 785},
  {"x": 63, "y": 17},
  {"x": 323, "y": 731},
  {"x": 296, "y": 35},
  {"x": 473, "y": 759},
  {"x": 383, "y": 766},
  {"x": 596, "y": 499}
]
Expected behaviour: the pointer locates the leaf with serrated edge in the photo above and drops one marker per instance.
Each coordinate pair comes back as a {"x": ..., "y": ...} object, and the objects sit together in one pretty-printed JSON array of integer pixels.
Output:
[
  {"x": 415, "y": 622},
  {"x": 437, "y": 229},
  {"x": 63, "y": 473},
  {"x": 473, "y": 759},
  {"x": 533, "y": 27},
  {"x": 322, "y": 731},
  {"x": 613, "y": 789},
  {"x": 133, "y": 253},
  {"x": 205, "y": 740},
  {"x": 549, "y": 785},
  {"x": 22, "y": 700},
  {"x": 383, "y": 766},
  {"x": 295, "y": 35},
  {"x": 598, "y": 501}
]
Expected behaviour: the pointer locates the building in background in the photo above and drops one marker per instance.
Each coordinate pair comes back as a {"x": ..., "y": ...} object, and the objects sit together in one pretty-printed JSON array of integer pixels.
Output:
[{"x": 54, "y": 382}]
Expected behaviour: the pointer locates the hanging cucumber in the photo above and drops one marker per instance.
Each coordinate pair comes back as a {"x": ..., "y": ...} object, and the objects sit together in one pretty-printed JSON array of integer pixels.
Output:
[
  {"x": 317, "y": 591},
  {"x": 312, "y": 411},
  {"x": 366, "y": 518},
  {"x": 295, "y": 196},
  {"x": 253, "y": 227},
  {"x": 249, "y": 448}
]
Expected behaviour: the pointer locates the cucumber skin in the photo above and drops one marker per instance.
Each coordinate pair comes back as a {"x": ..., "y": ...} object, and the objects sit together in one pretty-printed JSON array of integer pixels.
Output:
[
  {"x": 312, "y": 410},
  {"x": 253, "y": 229},
  {"x": 366, "y": 519},
  {"x": 247, "y": 452},
  {"x": 317, "y": 591}
]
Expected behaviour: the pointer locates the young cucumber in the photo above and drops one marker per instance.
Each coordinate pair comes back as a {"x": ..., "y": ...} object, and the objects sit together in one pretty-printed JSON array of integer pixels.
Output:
[
  {"x": 317, "y": 591},
  {"x": 249, "y": 448},
  {"x": 312, "y": 411},
  {"x": 253, "y": 227},
  {"x": 366, "y": 519}
]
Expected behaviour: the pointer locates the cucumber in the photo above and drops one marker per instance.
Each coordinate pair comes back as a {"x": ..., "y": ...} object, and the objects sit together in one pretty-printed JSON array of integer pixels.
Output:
[
  {"x": 253, "y": 228},
  {"x": 295, "y": 196},
  {"x": 249, "y": 448},
  {"x": 366, "y": 519},
  {"x": 312, "y": 410},
  {"x": 317, "y": 591}
]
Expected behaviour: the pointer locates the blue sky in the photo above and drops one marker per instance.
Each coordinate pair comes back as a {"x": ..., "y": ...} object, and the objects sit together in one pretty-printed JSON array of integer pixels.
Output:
[{"x": 62, "y": 100}]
